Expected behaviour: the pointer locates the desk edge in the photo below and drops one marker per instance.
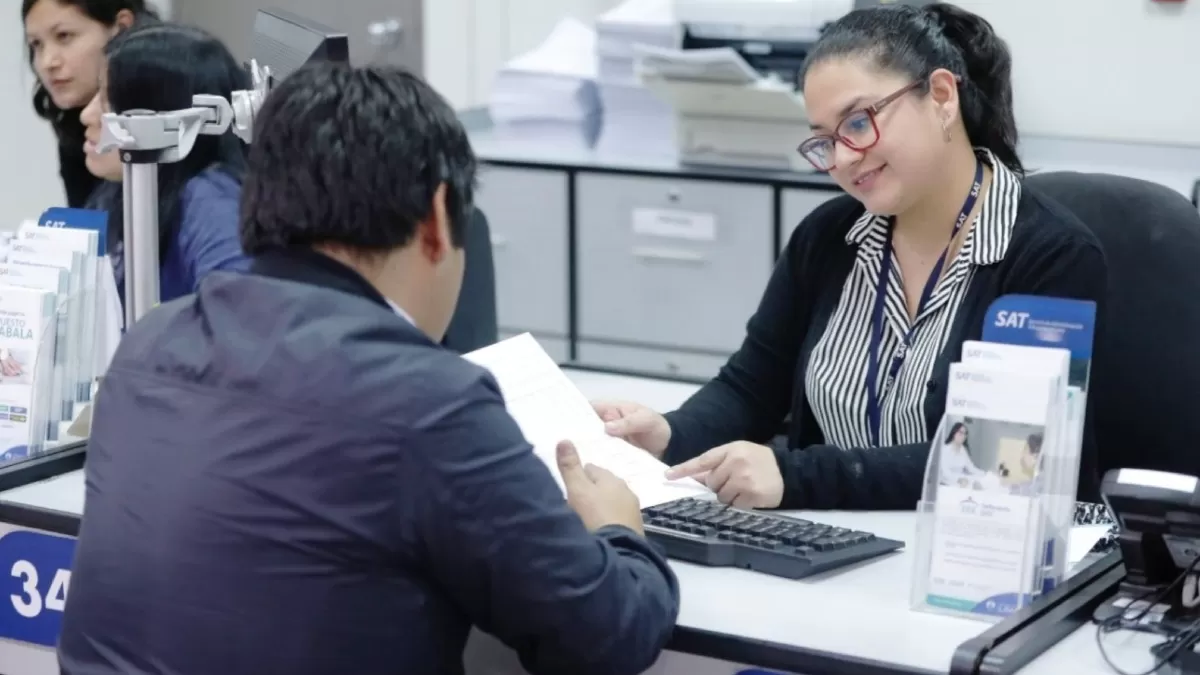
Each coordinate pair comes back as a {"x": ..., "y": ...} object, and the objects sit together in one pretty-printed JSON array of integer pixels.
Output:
[
  {"x": 49, "y": 465},
  {"x": 774, "y": 655}
]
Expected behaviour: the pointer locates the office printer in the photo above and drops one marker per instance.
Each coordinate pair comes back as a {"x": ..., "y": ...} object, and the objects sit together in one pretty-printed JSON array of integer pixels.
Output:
[
  {"x": 734, "y": 83},
  {"x": 773, "y": 36}
]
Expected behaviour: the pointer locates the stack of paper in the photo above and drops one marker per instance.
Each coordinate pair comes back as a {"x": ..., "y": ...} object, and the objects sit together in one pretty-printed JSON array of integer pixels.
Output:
[
  {"x": 633, "y": 22},
  {"x": 548, "y": 96},
  {"x": 635, "y": 120}
]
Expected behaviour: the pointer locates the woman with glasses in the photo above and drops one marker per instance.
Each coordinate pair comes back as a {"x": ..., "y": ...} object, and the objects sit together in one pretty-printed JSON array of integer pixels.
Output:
[{"x": 911, "y": 113}]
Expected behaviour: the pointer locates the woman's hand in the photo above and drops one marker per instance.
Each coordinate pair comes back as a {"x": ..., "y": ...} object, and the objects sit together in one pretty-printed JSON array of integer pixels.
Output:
[
  {"x": 636, "y": 424},
  {"x": 743, "y": 474}
]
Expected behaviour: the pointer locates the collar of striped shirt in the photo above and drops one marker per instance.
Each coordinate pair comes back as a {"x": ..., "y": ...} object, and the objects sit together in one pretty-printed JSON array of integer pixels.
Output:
[{"x": 987, "y": 242}]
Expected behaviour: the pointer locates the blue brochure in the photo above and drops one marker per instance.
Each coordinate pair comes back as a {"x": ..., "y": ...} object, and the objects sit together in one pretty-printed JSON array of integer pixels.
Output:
[
  {"x": 79, "y": 219},
  {"x": 1035, "y": 321}
]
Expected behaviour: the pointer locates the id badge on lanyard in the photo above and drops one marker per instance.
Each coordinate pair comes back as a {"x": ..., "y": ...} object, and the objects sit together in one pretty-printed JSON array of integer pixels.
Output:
[{"x": 875, "y": 391}]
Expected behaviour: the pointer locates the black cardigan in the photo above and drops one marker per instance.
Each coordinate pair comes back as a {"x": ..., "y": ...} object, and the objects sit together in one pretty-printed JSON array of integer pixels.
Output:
[{"x": 1050, "y": 253}]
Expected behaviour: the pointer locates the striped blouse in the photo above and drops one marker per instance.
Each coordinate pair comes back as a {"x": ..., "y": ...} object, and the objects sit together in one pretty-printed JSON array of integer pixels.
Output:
[{"x": 836, "y": 378}]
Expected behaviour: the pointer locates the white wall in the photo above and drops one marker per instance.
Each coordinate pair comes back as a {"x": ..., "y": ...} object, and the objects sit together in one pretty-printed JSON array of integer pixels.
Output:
[{"x": 1117, "y": 70}]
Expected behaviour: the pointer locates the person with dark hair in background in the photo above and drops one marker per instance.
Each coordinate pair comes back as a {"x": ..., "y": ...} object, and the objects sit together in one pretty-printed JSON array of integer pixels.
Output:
[
  {"x": 66, "y": 41},
  {"x": 160, "y": 67},
  {"x": 301, "y": 480},
  {"x": 912, "y": 114}
]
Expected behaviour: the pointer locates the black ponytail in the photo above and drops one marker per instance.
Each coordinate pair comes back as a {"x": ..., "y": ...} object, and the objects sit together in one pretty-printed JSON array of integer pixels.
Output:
[
  {"x": 918, "y": 40},
  {"x": 986, "y": 95}
]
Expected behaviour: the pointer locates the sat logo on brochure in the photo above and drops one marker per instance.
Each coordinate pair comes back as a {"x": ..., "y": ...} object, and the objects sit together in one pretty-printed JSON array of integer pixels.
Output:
[{"x": 1036, "y": 321}]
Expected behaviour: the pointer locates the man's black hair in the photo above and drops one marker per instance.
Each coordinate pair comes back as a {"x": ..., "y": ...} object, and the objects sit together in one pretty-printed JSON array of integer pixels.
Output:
[{"x": 353, "y": 156}]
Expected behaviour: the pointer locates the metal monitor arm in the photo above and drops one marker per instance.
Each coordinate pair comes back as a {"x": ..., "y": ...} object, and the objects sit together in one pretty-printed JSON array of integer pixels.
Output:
[{"x": 145, "y": 139}]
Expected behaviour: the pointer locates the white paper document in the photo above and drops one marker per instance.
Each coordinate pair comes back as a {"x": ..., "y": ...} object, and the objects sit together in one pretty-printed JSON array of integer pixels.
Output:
[{"x": 549, "y": 408}]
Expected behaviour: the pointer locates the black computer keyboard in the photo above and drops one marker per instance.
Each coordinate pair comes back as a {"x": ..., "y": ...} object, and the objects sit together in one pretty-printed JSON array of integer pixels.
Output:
[{"x": 710, "y": 533}]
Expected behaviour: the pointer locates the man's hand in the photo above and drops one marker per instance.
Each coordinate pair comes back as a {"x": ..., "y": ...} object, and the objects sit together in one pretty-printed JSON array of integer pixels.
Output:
[
  {"x": 599, "y": 497},
  {"x": 744, "y": 475}
]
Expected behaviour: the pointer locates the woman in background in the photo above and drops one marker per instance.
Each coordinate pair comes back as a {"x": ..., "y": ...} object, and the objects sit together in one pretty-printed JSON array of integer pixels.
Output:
[
  {"x": 162, "y": 66},
  {"x": 66, "y": 41}
]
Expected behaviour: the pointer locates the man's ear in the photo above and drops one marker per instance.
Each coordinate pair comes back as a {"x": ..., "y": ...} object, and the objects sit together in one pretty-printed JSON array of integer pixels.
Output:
[
  {"x": 125, "y": 19},
  {"x": 433, "y": 233}
]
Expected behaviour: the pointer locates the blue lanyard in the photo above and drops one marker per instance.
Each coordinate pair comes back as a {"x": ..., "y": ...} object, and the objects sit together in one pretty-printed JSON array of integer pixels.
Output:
[{"x": 874, "y": 391}]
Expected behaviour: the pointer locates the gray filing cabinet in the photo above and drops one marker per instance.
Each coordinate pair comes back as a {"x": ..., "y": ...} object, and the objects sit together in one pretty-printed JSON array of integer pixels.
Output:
[
  {"x": 795, "y": 205},
  {"x": 668, "y": 270},
  {"x": 527, "y": 212}
]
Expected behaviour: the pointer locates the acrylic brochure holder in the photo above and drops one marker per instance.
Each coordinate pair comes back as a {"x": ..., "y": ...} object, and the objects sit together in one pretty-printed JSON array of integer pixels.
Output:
[
  {"x": 62, "y": 253},
  {"x": 998, "y": 499},
  {"x": 109, "y": 317},
  {"x": 81, "y": 233}
]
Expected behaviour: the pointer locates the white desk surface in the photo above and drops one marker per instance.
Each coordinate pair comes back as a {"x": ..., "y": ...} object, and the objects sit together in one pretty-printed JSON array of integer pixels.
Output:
[
  {"x": 862, "y": 611},
  {"x": 61, "y": 493}
]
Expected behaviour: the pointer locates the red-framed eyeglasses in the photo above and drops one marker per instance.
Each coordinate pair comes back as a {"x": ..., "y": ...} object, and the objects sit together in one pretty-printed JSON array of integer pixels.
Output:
[{"x": 858, "y": 130}]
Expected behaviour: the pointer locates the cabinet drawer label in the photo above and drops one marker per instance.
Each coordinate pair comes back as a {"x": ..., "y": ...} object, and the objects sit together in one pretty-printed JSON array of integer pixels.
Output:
[{"x": 675, "y": 224}]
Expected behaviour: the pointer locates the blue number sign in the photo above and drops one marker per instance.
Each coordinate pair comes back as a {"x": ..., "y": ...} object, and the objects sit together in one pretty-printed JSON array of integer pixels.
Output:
[{"x": 35, "y": 571}]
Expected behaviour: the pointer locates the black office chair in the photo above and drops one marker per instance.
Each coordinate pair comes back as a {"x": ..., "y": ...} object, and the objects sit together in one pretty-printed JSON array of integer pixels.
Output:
[
  {"x": 1147, "y": 351},
  {"x": 474, "y": 323}
]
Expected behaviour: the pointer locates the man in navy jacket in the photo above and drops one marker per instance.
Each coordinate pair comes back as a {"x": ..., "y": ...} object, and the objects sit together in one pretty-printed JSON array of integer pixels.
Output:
[{"x": 287, "y": 474}]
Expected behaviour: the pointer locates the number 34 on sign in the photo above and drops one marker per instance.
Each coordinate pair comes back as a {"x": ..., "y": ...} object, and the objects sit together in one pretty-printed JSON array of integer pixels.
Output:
[{"x": 35, "y": 573}]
